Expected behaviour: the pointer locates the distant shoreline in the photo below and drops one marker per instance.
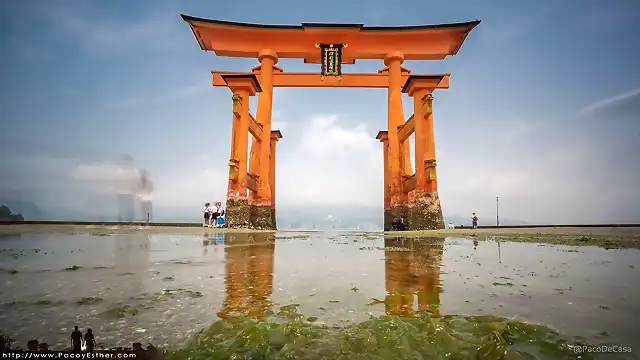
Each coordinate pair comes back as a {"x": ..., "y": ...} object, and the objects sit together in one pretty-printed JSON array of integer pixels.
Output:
[
  {"x": 88, "y": 226},
  {"x": 199, "y": 224},
  {"x": 608, "y": 237}
]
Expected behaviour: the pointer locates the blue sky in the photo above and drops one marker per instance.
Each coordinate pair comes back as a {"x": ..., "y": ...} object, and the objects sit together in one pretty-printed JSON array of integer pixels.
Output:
[{"x": 543, "y": 109}]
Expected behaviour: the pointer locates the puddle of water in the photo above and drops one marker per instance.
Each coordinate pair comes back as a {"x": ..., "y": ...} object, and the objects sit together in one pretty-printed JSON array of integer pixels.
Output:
[{"x": 163, "y": 288}]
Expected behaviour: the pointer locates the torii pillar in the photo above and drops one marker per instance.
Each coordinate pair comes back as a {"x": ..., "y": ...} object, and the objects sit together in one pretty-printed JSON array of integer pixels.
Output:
[
  {"x": 275, "y": 136},
  {"x": 383, "y": 136},
  {"x": 238, "y": 213},
  {"x": 398, "y": 151},
  {"x": 424, "y": 210},
  {"x": 261, "y": 202}
]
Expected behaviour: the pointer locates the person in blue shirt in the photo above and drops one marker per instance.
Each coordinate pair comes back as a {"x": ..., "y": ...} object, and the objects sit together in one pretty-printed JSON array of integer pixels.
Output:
[{"x": 220, "y": 220}]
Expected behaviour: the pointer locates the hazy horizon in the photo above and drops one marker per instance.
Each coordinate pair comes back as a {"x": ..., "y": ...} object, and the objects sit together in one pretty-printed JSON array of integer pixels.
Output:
[{"x": 543, "y": 110}]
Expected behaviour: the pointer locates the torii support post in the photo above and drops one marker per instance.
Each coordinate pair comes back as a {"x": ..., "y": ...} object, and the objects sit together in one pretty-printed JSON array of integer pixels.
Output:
[
  {"x": 399, "y": 162},
  {"x": 261, "y": 201},
  {"x": 275, "y": 136},
  {"x": 237, "y": 209},
  {"x": 424, "y": 211},
  {"x": 383, "y": 136}
]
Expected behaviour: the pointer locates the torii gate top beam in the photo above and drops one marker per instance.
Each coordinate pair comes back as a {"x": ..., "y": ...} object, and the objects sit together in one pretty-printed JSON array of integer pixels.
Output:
[{"x": 418, "y": 42}]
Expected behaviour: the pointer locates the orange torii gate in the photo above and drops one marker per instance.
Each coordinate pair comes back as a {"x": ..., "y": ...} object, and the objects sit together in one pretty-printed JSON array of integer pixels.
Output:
[{"x": 408, "y": 195}]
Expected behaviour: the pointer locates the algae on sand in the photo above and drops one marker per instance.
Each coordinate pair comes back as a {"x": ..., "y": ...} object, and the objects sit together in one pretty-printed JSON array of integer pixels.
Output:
[{"x": 291, "y": 335}]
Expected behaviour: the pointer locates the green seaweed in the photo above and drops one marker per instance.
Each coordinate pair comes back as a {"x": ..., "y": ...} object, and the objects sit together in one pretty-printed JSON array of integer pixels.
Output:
[
  {"x": 291, "y": 335},
  {"x": 43, "y": 302},
  {"x": 122, "y": 311},
  {"x": 174, "y": 292},
  {"x": 99, "y": 233},
  {"x": 89, "y": 300}
]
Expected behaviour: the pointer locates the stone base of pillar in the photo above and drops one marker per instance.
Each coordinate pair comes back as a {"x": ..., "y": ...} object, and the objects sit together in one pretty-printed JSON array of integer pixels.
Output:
[
  {"x": 237, "y": 214},
  {"x": 262, "y": 217},
  {"x": 426, "y": 214},
  {"x": 388, "y": 221},
  {"x": 273, "y": 219}
]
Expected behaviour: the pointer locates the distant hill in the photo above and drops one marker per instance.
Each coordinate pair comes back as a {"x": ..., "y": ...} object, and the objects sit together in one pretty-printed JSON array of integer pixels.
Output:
[
  {"x": 26, "y": 208},
  {"x": 7, "y": 215}
]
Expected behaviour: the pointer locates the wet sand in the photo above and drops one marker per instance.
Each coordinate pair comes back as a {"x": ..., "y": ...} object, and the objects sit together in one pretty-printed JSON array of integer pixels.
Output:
[
  {"x": 632, "y": 232},
  {"x": 584, "y": 231},
  {"x": 117, "y": 229},
  {"x": 163, "y": 286},
  {"x": 608, "y": 237}
]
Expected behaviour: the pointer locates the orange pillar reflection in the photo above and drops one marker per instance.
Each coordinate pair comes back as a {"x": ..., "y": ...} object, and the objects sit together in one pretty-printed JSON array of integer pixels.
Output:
[
  {"x": 399, "y": 298},
  {"x": 425, "y": 267},
  {"x": 412, "y": 267},
  {"x": 260, "y": 279},
  {"x": 249, "y": 275}
]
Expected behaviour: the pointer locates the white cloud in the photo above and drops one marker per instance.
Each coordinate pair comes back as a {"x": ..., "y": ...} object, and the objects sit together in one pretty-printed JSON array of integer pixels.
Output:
[
  {"x": 610, "y": 101},
  {"x": 193, "y": 182},
  {"x": 278, "y": 121},
  {"x": 569, "y": 182},
  {"x": 325, "y": 163},
  {"x": 330, "y": 164}
]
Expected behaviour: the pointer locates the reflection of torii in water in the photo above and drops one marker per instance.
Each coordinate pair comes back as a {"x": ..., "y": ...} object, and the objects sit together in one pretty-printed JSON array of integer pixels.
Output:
[
  {"x": 413, "y": 266},
  {"x": 131, "y": 260},
  {"x": 249, "y": 275}
]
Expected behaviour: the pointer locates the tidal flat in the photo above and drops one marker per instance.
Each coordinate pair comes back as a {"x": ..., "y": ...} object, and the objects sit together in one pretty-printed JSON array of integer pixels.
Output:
[{"x": 323, "y": 295}]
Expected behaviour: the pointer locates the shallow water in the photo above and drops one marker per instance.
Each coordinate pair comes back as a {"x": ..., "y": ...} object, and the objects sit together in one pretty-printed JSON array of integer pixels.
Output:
[{"x": 179, "y": 284}]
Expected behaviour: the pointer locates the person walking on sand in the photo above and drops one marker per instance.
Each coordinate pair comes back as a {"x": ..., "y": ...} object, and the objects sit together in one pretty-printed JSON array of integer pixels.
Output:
[
  {"x": 89, "y": 340},
  {"x": 76, "y": 340},
  {"x": 206, "y": 212},
  {"x": 474, "y": 221}
]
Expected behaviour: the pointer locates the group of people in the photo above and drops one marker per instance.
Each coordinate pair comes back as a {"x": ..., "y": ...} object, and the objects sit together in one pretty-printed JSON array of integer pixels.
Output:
[
  {"x": 213, "y": 215},
  {"x": 77, "y": 340},
  {"x": 79, "y": 344}
]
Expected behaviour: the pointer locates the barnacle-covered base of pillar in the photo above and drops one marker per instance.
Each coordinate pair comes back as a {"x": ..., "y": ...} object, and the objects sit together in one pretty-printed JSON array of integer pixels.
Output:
[
  {"x": 238, "y": 214},
  {"x": 274, "y": 222},
  {"x": 388, "y": 220},
  {"x": 263, "y": 217},
  {"x": 425, "y": 213}
]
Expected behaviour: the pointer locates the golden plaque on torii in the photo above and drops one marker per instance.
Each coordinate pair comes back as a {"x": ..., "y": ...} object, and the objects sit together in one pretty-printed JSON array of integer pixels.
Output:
[{"x": 331, "y": 59}]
